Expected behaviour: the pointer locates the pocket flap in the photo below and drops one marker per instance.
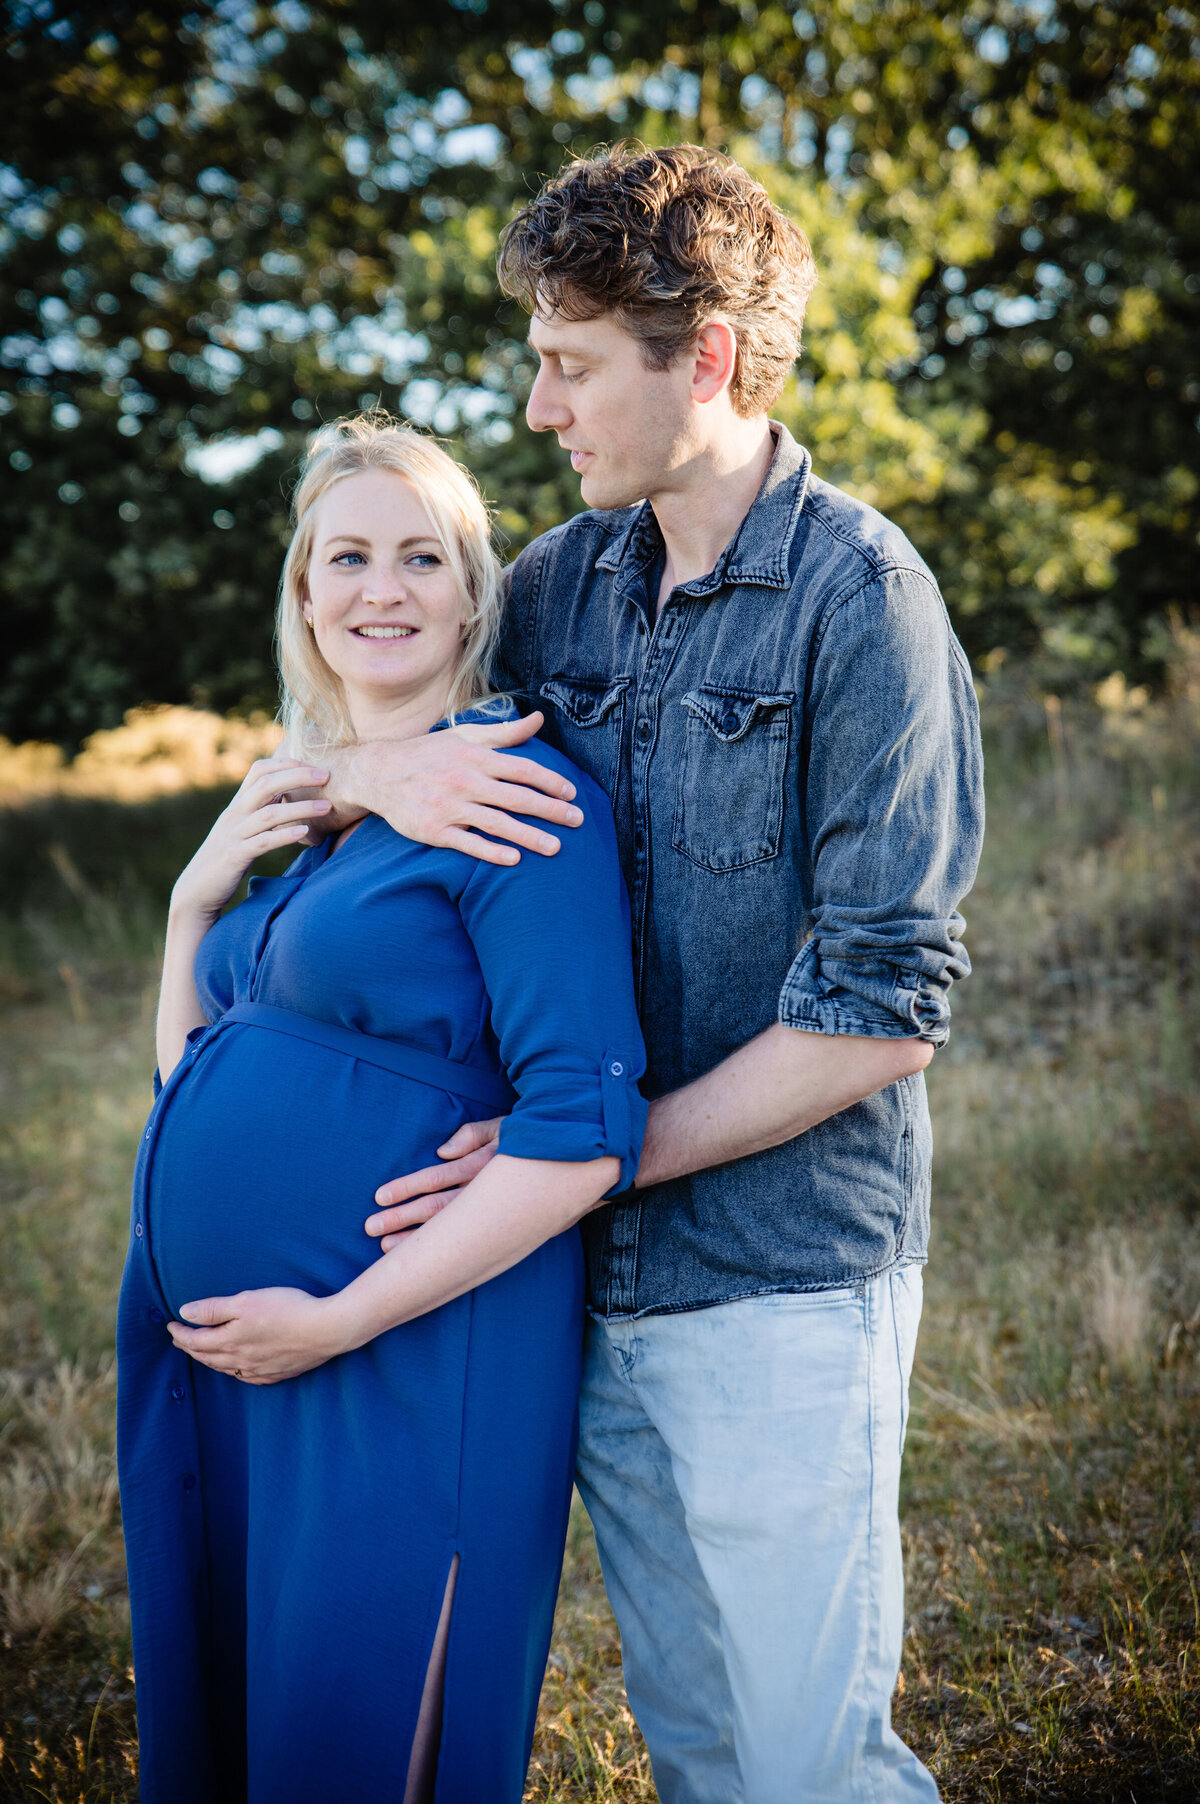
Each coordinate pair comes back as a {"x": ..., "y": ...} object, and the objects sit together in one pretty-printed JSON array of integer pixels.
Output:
[
  {"x": 732, "y": 712},
  {"x": 584, "y": 700}
]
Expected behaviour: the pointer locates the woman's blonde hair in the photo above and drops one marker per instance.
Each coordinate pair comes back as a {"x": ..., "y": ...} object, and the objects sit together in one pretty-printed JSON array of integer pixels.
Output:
[{"x": 314, "y": 712}]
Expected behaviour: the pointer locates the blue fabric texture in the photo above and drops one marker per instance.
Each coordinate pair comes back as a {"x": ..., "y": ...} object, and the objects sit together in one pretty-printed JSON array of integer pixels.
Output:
[
  {"x": 289, "y": 1545},
  {"x": 791, "y": 747}
]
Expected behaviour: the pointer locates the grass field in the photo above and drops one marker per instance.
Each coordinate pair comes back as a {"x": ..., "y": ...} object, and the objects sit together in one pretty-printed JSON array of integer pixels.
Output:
[{"x": 1052, "y": 1502}]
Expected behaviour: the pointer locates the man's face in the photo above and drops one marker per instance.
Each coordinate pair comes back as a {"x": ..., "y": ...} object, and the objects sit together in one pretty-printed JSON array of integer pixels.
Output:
[{"x": 628, "y": 428}]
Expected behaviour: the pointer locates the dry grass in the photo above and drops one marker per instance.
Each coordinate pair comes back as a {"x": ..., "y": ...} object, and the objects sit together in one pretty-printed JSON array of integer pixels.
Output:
[
  {"x": 159, "y": 750},
  {"x": 1052, "y": 1503}
]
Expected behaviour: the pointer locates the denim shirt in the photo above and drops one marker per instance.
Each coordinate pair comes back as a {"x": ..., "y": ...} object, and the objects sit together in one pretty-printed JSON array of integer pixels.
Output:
[{"x": 791, "y": 746}]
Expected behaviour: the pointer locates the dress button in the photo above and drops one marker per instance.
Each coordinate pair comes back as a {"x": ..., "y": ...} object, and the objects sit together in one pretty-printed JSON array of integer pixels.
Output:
[
  {"x": 178, "y": 1392},
  {"x": 189, "y": 1481},
  {"x": 137, "y": 1228},
  {"x": 616, "y": 1068},
  {"x": 730, "y": 723},
  {"x": 156, "y": 1315}
]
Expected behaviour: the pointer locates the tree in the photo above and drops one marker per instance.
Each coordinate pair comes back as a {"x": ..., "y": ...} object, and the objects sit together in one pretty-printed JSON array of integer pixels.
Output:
[{"x": 235, "y": 219}]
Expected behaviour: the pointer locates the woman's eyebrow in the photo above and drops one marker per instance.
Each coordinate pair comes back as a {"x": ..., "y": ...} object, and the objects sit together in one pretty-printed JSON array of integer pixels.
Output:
[{"x": 349, "y": 538}]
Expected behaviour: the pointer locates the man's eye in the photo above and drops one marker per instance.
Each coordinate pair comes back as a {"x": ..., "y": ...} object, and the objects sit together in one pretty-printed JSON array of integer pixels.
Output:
[{"x": 572, "y": 375}]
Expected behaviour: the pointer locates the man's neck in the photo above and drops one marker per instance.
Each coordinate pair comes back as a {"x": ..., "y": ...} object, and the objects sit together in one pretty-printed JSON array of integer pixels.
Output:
[{"x": 699, "y": 517}]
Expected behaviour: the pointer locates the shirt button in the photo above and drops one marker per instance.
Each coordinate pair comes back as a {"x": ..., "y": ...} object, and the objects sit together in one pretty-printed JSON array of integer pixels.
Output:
[
  {"x": 644, "y": 730},
  {"x": 137, "y": 1228},
  {"x": 616, "y": 1068},
  {"x": 640, "y": 840},
  {"x": 155, "y": 1315},
  {"x": 730, "y": 723},
  {"x": 178, "y": 1392}
]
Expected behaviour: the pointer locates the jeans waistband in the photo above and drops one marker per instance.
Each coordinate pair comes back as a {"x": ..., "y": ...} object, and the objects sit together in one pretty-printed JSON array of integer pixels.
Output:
[{"x": 471, "y": 1081}]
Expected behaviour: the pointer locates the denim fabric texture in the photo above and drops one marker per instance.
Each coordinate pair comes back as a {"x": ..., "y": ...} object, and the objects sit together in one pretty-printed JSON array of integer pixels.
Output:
[{"x": 791, "y": 747}]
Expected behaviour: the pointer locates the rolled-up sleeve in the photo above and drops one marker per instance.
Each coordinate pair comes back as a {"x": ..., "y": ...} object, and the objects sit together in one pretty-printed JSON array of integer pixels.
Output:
[
  {"x": 893, "y": 804},
  {"x": 552, "y": 936}
]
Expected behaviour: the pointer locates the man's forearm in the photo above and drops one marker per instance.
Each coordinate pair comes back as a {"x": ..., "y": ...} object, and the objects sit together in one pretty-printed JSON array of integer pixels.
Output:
[{"x": 774, "y": 1087}]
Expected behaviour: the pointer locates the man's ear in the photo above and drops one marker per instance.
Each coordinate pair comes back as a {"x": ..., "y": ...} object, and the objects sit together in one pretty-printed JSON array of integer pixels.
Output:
[{"x": 714, "y": 360}]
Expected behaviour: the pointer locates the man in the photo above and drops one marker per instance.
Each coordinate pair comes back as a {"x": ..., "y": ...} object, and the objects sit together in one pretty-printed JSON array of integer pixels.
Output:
[{"x": 760, "y": 671}]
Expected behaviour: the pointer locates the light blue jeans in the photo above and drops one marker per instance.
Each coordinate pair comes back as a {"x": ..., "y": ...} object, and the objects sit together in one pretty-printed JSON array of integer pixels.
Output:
[{"x": 741, "y": 1467}]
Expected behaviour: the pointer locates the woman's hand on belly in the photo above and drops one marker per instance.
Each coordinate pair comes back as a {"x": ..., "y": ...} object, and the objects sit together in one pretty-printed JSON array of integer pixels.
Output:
[{"x": 261, "y": 1336}]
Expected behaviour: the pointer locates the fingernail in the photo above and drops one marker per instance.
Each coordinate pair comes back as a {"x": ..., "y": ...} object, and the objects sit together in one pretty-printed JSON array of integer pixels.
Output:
[
  {"x": 547, "y": 844},
  {"x": 574, "y": 816},
  {"x": 568, "y": 790},
  {"x": 322, "y": 807}
]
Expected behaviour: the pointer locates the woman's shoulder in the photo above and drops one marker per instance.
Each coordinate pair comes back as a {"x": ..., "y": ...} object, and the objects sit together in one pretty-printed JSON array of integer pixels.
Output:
[
  {"x": 500, "y": 708},
  {"x": 542, "y": 752}
]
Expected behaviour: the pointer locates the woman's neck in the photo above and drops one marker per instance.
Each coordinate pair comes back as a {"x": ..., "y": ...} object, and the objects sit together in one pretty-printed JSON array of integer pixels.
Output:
[{"x": 407, "y": 717}]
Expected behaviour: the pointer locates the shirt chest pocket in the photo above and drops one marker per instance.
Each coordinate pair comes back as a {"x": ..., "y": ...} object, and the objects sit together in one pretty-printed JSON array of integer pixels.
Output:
[
  {"x": 589, "y": 714},
  {"x": 729, "y": 795}
]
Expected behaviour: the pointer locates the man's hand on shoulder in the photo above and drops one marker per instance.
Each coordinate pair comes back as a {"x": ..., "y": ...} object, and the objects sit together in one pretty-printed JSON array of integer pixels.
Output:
[{"x": 453, "y": 787}]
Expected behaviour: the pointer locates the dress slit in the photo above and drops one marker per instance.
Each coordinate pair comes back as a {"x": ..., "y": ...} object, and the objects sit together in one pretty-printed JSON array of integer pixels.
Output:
[{"x": 421, "y": 1783}]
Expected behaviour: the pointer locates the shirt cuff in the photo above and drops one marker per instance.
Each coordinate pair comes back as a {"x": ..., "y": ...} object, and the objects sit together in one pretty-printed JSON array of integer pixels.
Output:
[{"x": 872, "y": 998}]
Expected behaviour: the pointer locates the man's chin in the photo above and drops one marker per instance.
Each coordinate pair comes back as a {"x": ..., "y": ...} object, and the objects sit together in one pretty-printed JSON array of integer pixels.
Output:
[{"x": 604, "y": 496}]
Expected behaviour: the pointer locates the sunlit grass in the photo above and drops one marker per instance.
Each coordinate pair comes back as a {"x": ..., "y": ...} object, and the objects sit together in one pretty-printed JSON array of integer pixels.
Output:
[{"x": 1052, "y": 1498}]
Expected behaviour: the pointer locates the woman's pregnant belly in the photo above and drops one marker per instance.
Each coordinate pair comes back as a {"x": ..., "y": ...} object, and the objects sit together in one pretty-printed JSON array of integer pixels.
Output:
[{"x": 267, "y": 1159}]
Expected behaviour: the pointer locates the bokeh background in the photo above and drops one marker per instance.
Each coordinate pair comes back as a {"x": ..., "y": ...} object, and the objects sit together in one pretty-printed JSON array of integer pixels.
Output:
[{"x": 223, "y": 223}]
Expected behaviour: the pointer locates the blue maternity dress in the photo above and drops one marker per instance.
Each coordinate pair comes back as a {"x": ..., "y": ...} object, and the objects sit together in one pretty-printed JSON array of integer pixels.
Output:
[{"x": 289, "y": 1544}]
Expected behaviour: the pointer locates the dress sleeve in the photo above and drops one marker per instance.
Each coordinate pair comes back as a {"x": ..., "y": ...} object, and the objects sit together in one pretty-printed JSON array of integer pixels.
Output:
[{"x": 553, "y": 940}]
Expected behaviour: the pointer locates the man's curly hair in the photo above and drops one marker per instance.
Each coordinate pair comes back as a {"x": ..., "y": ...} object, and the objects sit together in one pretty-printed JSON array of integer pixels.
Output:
[{"x": 666, "y": 240}]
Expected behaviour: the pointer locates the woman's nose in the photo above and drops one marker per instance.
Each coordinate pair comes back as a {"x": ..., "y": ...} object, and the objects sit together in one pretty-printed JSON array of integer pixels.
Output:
[{"x": 381, "y": 588}]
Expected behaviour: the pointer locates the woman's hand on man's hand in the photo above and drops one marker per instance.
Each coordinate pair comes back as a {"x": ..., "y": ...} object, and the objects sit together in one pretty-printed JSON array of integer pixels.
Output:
[
  {"x": 452, "y": 788},
  {"x": 259, "y": 819},
  {"x": 406, "y": 1202},
  {"x": 261, "y": 1336}
]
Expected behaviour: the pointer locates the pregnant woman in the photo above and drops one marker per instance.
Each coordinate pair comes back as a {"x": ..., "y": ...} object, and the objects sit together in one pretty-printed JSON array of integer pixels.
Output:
[{"x": 345, "y": 1497}]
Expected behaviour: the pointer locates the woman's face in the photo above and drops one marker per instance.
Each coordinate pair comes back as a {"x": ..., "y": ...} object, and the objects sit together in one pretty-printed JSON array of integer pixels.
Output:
[{"x": 383, "y": 602}]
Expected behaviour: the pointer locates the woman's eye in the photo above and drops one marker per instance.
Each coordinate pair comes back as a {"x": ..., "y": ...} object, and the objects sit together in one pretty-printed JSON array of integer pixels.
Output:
[
  {"x": 342, "y": 557},
  {"x": 425, "y": 560}
]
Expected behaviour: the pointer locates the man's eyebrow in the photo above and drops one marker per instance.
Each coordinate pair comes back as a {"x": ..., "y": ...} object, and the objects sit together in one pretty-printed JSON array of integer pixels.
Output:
[{"x": 562, "y": 350}]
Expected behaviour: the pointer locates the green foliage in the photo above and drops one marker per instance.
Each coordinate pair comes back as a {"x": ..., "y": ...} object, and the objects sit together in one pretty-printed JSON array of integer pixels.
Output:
[{"x": 223, "y": 219}]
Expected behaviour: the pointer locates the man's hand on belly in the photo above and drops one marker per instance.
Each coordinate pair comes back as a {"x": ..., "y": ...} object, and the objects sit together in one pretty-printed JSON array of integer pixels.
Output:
[
  {"x": 261, "y": 1336},
  {"x": 407, "y": 1202}
]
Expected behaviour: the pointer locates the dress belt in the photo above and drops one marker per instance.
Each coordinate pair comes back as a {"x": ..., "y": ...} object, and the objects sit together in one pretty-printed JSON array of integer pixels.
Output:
[{"x": 393, "y": 1055}]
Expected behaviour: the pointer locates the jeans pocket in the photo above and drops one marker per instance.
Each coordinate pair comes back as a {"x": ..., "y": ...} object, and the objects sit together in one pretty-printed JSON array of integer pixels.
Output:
[
  {"x": 729, "y": 795},
  {"x": 589, "y": 714}
]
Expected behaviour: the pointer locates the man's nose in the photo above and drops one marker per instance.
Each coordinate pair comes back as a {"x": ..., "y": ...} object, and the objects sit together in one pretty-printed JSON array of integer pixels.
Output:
[{"x": 544, "y": 409}]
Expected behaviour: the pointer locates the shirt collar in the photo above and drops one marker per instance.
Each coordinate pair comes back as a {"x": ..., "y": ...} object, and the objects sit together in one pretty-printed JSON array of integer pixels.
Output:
[{"x": 759, "y": 551}]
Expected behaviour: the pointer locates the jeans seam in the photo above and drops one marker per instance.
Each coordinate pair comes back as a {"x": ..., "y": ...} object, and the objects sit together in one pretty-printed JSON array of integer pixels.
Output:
[
  {"x": 899, "y": 1358},
  {"x": 874, "y": 1603}
]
